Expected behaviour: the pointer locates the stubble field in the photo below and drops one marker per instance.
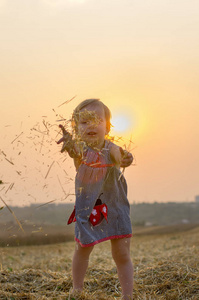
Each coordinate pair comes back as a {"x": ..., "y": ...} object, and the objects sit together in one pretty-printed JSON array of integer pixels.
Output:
[{"x": 165, "y": 267}]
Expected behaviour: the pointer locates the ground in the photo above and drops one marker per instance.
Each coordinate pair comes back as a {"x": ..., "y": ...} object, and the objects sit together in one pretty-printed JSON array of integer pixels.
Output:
[{"x": 165, "y": 267}]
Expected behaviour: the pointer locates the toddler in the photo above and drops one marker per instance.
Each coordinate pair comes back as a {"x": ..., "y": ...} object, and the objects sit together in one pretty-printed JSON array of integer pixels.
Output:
[{"x": 102, "y": 210}]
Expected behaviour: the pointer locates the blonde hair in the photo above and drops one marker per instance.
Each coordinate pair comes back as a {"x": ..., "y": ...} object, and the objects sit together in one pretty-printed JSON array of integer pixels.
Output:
[{"x": 83, "y": 104}]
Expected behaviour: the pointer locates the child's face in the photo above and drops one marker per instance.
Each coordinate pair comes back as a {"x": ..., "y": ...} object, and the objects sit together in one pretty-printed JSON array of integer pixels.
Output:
[{"x": 92, "y": 125}]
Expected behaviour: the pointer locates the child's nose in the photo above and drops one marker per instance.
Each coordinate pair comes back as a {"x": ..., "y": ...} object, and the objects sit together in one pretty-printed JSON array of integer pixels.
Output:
[{"x": 91, "y": 124}]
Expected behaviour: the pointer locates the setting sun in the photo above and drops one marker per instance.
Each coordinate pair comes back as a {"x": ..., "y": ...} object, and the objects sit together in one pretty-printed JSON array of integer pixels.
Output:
[{"x": 121, "y": 123}]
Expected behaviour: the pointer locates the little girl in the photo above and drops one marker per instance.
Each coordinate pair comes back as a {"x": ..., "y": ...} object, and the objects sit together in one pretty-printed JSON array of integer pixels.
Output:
[{"x": 102, "y": 211}]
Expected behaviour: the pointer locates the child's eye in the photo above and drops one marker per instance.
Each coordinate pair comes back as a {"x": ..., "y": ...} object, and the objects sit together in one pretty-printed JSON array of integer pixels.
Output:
[{"x": 100, "y": 121}]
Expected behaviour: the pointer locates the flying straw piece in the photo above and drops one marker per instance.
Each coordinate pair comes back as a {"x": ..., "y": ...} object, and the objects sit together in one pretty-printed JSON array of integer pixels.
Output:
[
  {"x": 16, "y": 137},
  {"x": 40, "y": 229},
  {"x": 46, "y": 203},
  {"x": 42, "y": 142},
  {"x": 12, "y": 212},
  {"x": 9, "y": 161},
  {"x": 3, "y": 153},
  {"x": 10, "y": 187},
  {"x": 61, "y": 120},
  {"x": 49, "y": 169},
  {"x": 61, "y": 185},
  {"x": 46, "y": 126},
  {"x": 66, "y": 102}
]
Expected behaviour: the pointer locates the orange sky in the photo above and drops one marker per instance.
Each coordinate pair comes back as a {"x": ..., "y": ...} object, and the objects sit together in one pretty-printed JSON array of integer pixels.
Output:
[{"x": 139, "y": 57}]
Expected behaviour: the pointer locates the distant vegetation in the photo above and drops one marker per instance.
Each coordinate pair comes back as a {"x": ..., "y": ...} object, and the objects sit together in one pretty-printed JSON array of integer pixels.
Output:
[
  {"x": 46, "y": 224},
  {"x": 141, "y": 214},
  {"x": 169, "y": 213}
]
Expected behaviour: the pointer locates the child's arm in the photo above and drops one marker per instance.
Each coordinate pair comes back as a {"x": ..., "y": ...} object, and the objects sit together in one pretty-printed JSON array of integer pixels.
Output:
[
  {"x": 115, "y": 154},
  {"x": 127, "y": 158},
  {"x": 120, "y": 157}
]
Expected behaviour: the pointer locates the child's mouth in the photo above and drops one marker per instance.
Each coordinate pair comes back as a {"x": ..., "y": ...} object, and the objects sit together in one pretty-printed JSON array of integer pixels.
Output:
[{"x": 92, "y": 133}]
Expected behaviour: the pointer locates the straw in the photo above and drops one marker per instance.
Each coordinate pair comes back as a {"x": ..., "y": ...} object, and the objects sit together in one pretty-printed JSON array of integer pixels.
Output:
[{"x": 12, "y": 212}]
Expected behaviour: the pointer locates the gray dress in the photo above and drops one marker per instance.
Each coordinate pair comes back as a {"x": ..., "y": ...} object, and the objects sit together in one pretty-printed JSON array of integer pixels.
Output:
[{"x": 97, "y": 177}]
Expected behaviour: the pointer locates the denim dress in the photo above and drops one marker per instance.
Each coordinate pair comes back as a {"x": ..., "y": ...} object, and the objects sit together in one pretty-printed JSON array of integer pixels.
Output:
[{"x": 99, "y": 181}]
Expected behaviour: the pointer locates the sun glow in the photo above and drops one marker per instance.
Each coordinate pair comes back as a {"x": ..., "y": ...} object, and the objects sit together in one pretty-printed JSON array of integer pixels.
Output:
[{"x": 121, "y": 123}]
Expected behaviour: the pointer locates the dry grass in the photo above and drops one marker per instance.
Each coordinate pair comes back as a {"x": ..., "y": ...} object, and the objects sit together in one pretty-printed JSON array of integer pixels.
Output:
[
  {"x": 165, "y": 267},
  {"x": 11, "y": 235}
]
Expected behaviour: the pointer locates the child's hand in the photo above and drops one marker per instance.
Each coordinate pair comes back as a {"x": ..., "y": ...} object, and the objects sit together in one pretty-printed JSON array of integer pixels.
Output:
[
  {"x": 63, "y": 139},
  {"x": 66, "y": 140},
  {"x": 127, "y": 158}
]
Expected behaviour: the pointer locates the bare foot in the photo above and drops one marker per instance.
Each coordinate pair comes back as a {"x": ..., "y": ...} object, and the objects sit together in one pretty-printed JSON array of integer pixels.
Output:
[{"x": 74, "y": 293}]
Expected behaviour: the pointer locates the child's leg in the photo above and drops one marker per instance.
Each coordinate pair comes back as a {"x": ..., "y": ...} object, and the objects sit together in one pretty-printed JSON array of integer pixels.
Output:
[
  {"x": 121, "y": 256},
  {"x": 80, "y": 265}
]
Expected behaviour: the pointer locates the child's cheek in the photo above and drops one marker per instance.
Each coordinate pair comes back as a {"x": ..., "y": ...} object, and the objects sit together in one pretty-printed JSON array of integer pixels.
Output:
[{"x": 81, "y": 128}]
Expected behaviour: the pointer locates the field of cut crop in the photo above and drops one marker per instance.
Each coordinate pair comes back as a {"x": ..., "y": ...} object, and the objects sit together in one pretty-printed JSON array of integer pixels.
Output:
[{"x": 165, "y": 267}]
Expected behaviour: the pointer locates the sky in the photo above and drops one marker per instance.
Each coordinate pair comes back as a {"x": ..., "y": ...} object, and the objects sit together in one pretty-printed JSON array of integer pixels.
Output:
[{"x": 141, "y": 58}]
